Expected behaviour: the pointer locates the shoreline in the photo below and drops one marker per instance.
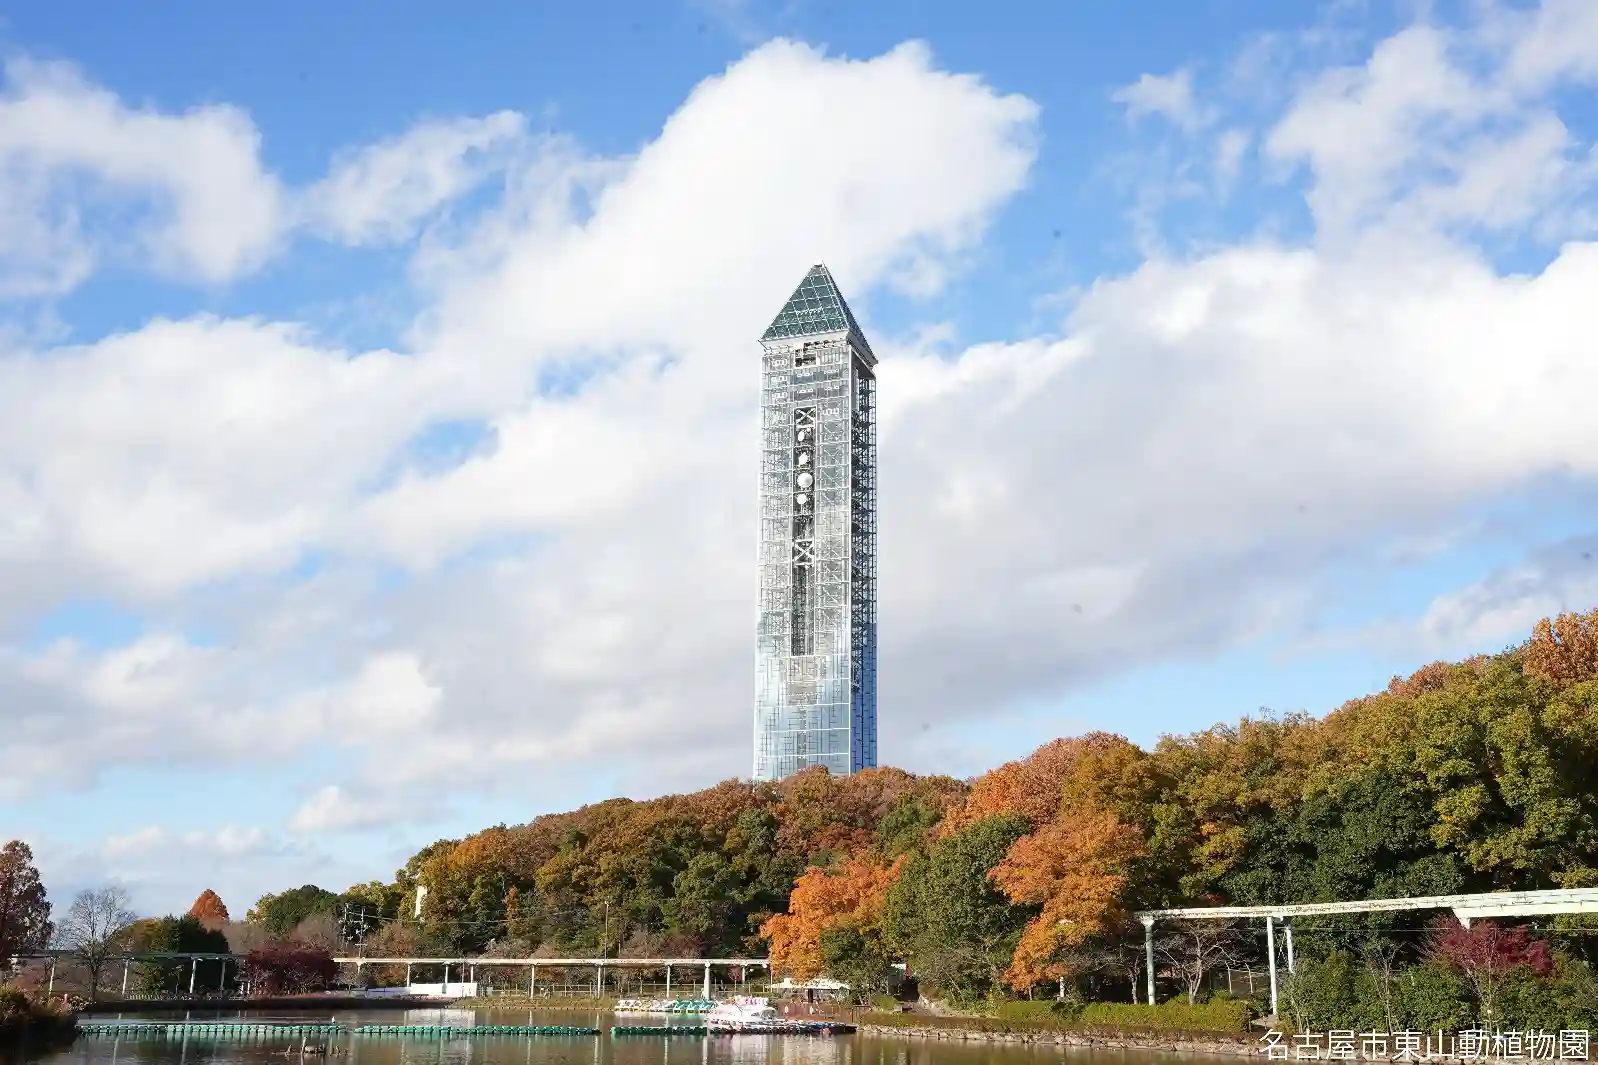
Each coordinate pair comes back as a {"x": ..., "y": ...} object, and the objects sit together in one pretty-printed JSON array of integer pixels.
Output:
[
  {"x": 1148, "y": 1043},
  {"x": 1061, "y": 1037}
]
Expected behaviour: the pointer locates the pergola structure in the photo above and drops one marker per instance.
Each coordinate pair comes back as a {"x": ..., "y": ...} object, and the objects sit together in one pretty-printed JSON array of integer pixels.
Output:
[
  {"x": 1466, "y": 908},
  {"x": 128, "y": 959},
  {"x": 599, "y": 966}
]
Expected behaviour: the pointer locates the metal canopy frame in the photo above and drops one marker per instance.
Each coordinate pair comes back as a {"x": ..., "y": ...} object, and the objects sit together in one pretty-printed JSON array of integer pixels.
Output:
[{"x": 1466, "y": 908}]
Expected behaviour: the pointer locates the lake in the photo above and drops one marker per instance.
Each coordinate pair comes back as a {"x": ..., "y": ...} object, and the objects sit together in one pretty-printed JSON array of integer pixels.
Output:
[{"x": 859, "y": 1049}]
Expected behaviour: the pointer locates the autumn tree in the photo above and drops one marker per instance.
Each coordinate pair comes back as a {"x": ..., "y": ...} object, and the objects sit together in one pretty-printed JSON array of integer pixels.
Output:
[
  {"x": 209, "y": 910},
  {"x": 851, "y": 895},
  {"x": 24, "y": 905},
  {"x": 1563, "y": 650},
  {"x": 1074, "y": 869},
  {"x": 285, "y": 967},
  {"x": 1487, "y": 954},
  {"x": 92, "y": 928}
]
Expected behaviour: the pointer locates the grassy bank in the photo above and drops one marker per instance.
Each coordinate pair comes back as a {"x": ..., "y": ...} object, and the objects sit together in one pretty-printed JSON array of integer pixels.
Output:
[
  {"x": 24, "y": 1020},
  {"x": 1219, "y": 1021}
]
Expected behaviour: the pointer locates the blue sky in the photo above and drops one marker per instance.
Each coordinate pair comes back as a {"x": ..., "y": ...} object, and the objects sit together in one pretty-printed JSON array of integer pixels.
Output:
[{"x": 377, "y": 388}]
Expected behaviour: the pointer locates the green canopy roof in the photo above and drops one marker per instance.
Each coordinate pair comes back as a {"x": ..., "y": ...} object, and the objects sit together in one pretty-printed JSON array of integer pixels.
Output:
[{"x": 815, "y": 307}]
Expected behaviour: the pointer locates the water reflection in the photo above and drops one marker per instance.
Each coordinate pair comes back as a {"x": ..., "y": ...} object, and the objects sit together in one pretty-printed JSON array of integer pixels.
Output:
[{"x": 551, "y": 1050}]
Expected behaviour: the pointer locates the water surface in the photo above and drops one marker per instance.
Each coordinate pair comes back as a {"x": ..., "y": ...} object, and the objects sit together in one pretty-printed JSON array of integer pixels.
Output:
[{"x": 859, "y": 1049}]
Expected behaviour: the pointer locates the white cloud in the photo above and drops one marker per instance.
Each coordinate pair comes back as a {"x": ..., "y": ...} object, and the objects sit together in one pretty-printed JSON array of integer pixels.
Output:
[
  {"x": 230, "y": 842},
  {"x": 1168, "y": 96},
  {"x": 380, "y": 193},
  {"x": 332, "y": 809},
  {"x": 166, "y": 869},
  {"x": 196, "y": 450},
  {"x": 1170, "y": 472},
  {"x": 210, "y": 209},
  {"x": 201, "y": 451},
  {"x": 1442, "y": 127}
]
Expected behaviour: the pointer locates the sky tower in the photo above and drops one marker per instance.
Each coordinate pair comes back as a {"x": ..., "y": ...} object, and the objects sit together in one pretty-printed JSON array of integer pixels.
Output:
[{"x": 816, "y": 648}]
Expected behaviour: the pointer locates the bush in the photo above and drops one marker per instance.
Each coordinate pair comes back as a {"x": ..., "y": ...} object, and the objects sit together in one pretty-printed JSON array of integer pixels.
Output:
[
  {"x": 1565, "y": 1000},
  {"x": 1030, "y": 1010},
  {"x": 1220, "y": 1017},
  {"x": 1217, "y": 1015},
  {"x": 21, "y": 1016},
  {"x": 1432, "y": 997},
  {"x": 1333, "y": 993},
  {"x": 13, "y": 1002}
]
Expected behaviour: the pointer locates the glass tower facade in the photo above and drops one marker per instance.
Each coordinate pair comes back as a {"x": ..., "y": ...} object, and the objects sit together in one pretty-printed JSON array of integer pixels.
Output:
[{"x": 816, "y": 657}]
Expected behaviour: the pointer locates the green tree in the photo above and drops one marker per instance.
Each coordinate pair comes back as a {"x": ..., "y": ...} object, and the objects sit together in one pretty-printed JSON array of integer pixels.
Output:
[
  {"x": 859, "y": 959},
  {"x": 173, "y": 977},
  {"x": 706, "y": 899},
  {"x": 947, "y": 918},
  {"x": 280, "y": 914}
]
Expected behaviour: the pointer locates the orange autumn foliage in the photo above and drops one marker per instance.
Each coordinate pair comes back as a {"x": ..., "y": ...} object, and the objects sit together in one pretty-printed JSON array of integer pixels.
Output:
[
  {"x": 1065, "y": 771},
  {"x": 853, "y": 893},
  {"x": 1075, "y": 868},
  {"x": 1563, "y": 650},
  {"x": 209, "y": 910}
]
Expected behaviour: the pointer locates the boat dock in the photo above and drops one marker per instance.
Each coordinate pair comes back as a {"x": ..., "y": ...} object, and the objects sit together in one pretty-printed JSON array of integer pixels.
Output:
[{"x": 247, "y": 1030}]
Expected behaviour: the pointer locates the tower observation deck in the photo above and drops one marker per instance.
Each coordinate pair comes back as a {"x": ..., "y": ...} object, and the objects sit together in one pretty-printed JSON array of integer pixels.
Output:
[{"x": 816, "y": 643}]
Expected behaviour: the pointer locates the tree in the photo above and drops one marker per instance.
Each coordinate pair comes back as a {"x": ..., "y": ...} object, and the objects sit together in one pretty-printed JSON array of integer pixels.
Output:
[
  {"x": 1381, "y": 962},
  {"x": 280, "y": 914},
  {"x": 1191, "y": 950},
  {"x": 1486, "y": 954},
  {"x": 1075, "y": 870},
  {"x": 285, "y": 967},
  {"x": 853, "y": 895},
  {"x": 857, "y": 958},
  {"x": 1564, "y": 650},
  {"x": 167, "y": 977},
  {"x": 93, "y": 924},
  {"x": 945, "y": 915},
  {"x": 320, "y": 930},
  {"x": 24, "y": 905},
  {"x": 209, "y": 910}
]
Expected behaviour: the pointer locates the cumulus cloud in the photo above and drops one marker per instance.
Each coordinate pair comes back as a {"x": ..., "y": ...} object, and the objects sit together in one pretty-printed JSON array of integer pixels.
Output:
[
  {"x": 209, "y": 209},
  {"x": 1445, "y": 127},
  {"x": 187, "y": 453},
  {"x": 1172, "y": 469}
]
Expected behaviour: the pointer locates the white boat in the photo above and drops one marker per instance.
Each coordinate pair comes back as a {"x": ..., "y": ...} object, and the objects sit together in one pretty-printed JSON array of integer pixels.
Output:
[
  {"x": 743, "y": 1013},
  {"x": 663, "y": 1005}
]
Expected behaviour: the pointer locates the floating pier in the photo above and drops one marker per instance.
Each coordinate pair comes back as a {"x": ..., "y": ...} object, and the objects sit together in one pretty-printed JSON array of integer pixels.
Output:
[
  {"x": 247, "y": 1030},
  {"x": 431, "y": 1031},
  {"x": 750, "y": 1028}
]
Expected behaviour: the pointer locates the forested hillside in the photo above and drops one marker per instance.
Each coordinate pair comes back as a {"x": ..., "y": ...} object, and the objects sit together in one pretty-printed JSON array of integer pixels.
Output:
[{"x": 1477, "y": 775}]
